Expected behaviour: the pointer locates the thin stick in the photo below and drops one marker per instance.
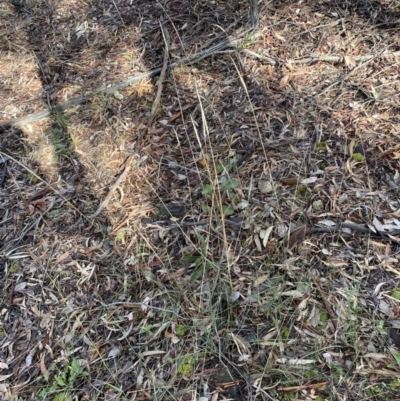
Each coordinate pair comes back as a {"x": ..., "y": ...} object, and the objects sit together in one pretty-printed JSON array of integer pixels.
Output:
[
  {"x": 113, "y": 188},
  {"x": 312, "y": 58},
  {"x": 156, "y": 102}
]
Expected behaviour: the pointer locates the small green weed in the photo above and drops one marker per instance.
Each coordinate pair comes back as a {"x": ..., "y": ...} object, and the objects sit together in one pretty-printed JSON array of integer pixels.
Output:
[
  {"x": 396, "y": 293},
  {"x": 32, "y": 178},
  {"x": 288, "y": 396},
  {"x": 120, "y": 236},
  {"x": 57, "y": 137},
  {"x": 60, "y": 118},
  {"x": 63, "y": 382},
  {"x": 53, "y": 214},
  {"x": 147, "y": 330},
  {"x": 245, "y": 43},
  {"x": 358, "y": 157},
  {"x": 13, "y": 268},
  {"x": 180, "y": 330},
  {"x": 377, "y": 392},
  {"x": 321, "y": 147},
  {"x": 200, "y": 261},
  {"x": 100, "y": 102},
  {"x": 187, "y": 365},
  {"x": 394, "y": 384},
  {"x": 227, "y": 188},
  {"x": 302, "y": 192}
]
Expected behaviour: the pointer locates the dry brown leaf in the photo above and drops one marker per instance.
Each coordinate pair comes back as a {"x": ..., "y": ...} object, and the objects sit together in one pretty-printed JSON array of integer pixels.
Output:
[
  {"x": 242, "y": 344},
  {"x": 89, "y": 250},
  {"x": 43, "y": 205},
  {"x": 61, "y": 258},
  {"x": 289, "y": 66},
  {"x": 290, "y": 181},
  {"x": 284, "y": 81},
  {"x": 297, "y": 236},
  {"x": 280, "y": 37},
  {"x": 350, "y": 62},
  {"x": 43, "y": 368},
  {"x": 260, "y": 280},
  {"x": 297, "y": 73},
  {"x": 335, "y": 262},
  {"x": 352, "y": 145},
  {"x": 269, "y": 39}
]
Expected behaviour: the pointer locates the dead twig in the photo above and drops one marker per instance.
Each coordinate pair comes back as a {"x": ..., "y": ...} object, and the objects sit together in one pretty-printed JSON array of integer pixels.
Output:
[
  {"x": 314, "y": 28},
  {"x": 156, "y": 102},
  {"x": 180, "y": 112},
  {"x": 313, "y": 58},
  {"x": 113, "y": 188},
  {"x": 364, "y": 231},
  {"x": 303, "y": 387}
]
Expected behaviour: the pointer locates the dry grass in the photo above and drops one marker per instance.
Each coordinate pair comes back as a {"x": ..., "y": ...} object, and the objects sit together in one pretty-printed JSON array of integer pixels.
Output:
[{"x": 192, "y": 259}]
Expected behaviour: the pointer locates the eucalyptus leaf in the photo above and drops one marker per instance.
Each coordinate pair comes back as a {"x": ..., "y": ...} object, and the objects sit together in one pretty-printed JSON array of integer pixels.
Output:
[
  {"x": 207, "y": 190},
  {"x": 198, "y": 273},
  {"x": 229, "y": 185},
  {"x": 228, "y": 210},
  {"x": 187, "y": 260}
]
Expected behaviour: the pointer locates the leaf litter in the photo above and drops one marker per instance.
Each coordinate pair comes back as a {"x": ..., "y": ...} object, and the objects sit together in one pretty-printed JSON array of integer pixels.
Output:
[{"x": 241, "y": 241}]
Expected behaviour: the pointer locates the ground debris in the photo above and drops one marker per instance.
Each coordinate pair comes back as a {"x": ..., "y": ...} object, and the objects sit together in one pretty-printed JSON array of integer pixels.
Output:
[{"x": 236, "y": 236}]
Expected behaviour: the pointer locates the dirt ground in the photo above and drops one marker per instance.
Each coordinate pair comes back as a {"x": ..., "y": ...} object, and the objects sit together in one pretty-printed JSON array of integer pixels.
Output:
[{"x": 199, "y": 200}]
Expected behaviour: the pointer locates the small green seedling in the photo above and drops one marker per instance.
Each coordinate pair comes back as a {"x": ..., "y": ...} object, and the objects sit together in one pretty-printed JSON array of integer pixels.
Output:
[
  {"x": 321, "y": 147},
  {"x": 396, "y": 293},
  {"x": 358, "y": 157},
  {"x": 63, "y": 382},
  {"x": 200, "y": 261},
  {"x": 187, "y": 365}
]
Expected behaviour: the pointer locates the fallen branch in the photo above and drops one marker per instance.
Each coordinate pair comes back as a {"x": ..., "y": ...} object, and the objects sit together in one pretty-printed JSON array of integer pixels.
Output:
[
  {"x": 231, "y": 41},
  {"x": 313, "y": 58}
]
